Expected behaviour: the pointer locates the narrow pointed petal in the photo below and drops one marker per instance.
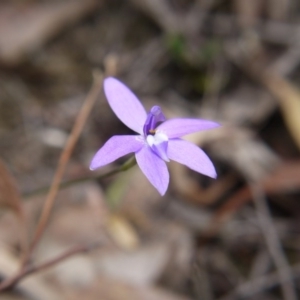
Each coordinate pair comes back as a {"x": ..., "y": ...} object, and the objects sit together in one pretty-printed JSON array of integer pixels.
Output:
[
  {"x": 191, "y": 156},
  {"x": 154, "y": 168},
  {"x": 125, "y": 104},
  {"x": 175, "y": 128},
  {"x": 161, "y": 150},
  {"x": 116, "y": 147}
]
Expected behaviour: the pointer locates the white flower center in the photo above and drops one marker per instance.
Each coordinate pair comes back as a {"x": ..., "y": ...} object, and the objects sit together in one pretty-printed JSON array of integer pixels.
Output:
[{"x": 156, "y": 139}]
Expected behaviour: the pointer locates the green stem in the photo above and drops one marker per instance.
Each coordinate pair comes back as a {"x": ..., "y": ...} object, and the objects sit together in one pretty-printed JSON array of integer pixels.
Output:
[{"x": 126, "y": 166}]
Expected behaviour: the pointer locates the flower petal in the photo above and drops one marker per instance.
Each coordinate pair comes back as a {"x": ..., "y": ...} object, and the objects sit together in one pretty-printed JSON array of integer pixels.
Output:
[
  {"x": 175, "y": 128},
  {"x": 159, "y": 144},
  {"x": 116, "y": 147},
  {"x": 191, "y": 156},
  {"x": 161, "y": 150},
  {"x": 125, "y": 104},
  {"x": 154, "y": 168}
]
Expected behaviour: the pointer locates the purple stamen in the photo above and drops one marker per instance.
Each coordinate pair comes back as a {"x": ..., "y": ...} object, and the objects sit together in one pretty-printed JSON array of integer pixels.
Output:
[{"x": 154, "y": 117}]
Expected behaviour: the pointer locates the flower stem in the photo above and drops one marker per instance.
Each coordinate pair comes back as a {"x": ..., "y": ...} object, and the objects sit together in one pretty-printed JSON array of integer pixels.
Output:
[{"x": 124, "y": 167}]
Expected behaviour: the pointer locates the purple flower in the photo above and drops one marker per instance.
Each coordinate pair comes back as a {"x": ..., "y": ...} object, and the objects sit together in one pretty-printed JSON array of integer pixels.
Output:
[{"x": 158, "y": 140}]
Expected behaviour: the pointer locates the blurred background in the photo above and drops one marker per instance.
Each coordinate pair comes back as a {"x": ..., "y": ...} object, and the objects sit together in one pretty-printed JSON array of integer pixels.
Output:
[{"x": 235, "y": 62}]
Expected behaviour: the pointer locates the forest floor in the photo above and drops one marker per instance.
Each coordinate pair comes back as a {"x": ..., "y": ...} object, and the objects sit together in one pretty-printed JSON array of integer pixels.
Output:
[{"x": 235, "y": 62}]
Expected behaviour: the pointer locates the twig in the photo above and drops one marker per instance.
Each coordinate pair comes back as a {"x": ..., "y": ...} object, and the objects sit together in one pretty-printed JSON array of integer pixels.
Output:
[
  {"x": 11, "y": 282},
  {"x": 64, "y": 158},
  {"x": 273, "y": 243},
  {"x": 128, "y": 164},
  {"x": 259, "y": 284}
]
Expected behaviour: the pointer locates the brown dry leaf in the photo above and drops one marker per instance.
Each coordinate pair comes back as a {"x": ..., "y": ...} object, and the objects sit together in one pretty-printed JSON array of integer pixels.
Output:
[
  {"x": 10, "y": 199},
  {"x": 25, "y": 28},
  {"x": 9, "y": 195},
  {"x": 289, "y": 100}
]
